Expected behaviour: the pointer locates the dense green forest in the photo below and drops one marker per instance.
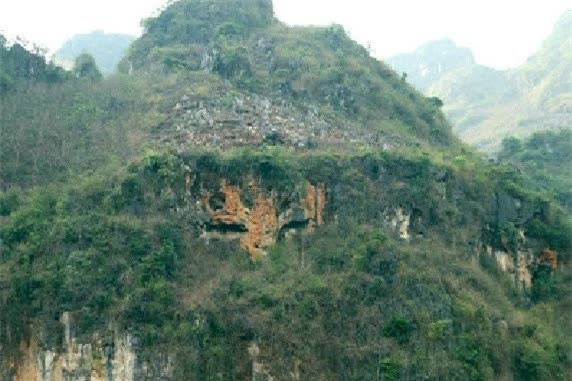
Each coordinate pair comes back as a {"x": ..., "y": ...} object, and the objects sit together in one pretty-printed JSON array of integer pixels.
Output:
[{"x": 250, "y": 201}]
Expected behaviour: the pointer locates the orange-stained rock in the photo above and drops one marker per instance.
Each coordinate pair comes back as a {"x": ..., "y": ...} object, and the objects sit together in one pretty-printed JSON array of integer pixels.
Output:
[
  {"x": 320, "y": 204},
  {"x": 233, "y": 211},
  {"x": 261, "y": 224},
  {"x": 314, "y": 204},
  {"x": 551, "y": 257},
  {"x": 262, "y": 227}
]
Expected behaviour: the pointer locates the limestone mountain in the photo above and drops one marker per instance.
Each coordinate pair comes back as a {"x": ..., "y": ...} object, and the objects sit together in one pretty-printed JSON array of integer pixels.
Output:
[
  {"x": 107, "y": 49},
  {"x": 485, "y": 105},
  {"x": 250, "y": 201},
  {"x": 544, "y": 98},
  {"x": 432, "y": 61},
  {"x": 309, "y": 75}
]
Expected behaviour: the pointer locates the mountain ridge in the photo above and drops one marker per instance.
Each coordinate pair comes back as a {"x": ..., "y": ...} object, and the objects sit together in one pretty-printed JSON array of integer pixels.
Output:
[{"x": 486, "y": 105}]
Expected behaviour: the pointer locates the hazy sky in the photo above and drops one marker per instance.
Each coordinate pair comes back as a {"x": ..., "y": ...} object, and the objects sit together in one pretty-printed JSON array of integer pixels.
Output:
[{"x": 502, "y": 33}]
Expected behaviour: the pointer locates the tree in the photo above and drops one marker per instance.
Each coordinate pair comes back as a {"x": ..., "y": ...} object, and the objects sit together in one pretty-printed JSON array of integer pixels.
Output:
[
  {"x": 85, "y": 67},
  {"x": 511, "y": 146}
]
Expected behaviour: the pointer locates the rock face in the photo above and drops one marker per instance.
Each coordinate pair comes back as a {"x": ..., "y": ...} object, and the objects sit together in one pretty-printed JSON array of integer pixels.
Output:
[
  {"x": 550, "y": 257},
  {"x": 518, "y": 264},
  {"x": 252, "y": 120},
  {"x": 108, "y": 357},
  {"x": 400, "y": 223},
  {"x": 259, "y": 226}
]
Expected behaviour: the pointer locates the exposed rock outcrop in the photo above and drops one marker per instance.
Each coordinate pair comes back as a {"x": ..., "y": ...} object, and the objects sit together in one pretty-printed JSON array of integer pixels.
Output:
[
  {"x": 550, "y": 257},
  {"x": 106, "y": 357},
  {"x": 400, "y": 222},
  {"x": 258, "y": 227},
  {"x": 253, "y": 120}
]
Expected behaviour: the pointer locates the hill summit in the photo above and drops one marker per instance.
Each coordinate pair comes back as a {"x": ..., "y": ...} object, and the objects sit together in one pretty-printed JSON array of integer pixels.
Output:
[{"x": 306, "y": 85}]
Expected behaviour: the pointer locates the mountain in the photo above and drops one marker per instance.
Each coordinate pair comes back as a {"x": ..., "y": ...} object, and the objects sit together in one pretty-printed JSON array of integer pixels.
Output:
[
  {"x": 251, "y": 201},
  {"x": 431, "y": 62},
  {"x": 107, "y": 49},
  {"x": 313, "y": 71},
  {"x": 485, "y": 105}
]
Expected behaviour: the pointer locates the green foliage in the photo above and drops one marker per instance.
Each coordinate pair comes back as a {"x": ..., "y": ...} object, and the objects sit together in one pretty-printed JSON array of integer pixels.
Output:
[
  {"x": 533, "y": 362},
  {"x": 50, "y": 133},
  {"x": 398, "y": 328},
  {"x": 85, "y": 67},
  {"x": 9, "y": 201},
  {"x": 545, "y": 159},
  {"x": 198, "y": 21},
  {"x": 107, "y": 248},
  {"x": 241, "y": 42},
  {"x": 19, "y": 66},
  {"x": 125, "y": 243},
  {"x": 390, "y": 368}
]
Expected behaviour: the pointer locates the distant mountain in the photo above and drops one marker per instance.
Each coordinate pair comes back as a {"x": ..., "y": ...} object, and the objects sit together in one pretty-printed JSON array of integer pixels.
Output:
[
  {"x": 432, "y": 61},
  {"x": 486, "y": 105},
  {"x": 107, "y": 49}
]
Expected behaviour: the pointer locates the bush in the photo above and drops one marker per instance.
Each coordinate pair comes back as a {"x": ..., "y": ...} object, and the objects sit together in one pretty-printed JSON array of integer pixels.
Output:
[{"x": 399, "y": 328}]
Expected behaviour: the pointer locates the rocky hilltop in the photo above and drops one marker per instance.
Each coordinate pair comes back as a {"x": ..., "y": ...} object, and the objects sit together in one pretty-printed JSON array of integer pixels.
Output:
[{"x": 250, "y": 76}]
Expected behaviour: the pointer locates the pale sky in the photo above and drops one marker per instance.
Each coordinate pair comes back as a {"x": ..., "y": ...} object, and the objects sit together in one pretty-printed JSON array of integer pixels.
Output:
[{"x": 501, "y": 33}]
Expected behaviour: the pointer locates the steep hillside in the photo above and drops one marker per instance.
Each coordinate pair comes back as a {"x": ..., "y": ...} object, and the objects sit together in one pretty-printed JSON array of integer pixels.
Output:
[
  {"x": 312, "y": 71},
  {"x": 250, "y": 201},
  {"x": 206, "y": 74},
  {"x": 107, "y": 49},
  {"x": 360, "y": 265},
  {"x": 486, "y": 105}
]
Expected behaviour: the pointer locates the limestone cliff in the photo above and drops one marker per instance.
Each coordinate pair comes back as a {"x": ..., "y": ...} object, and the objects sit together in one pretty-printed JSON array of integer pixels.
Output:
[
  {"x": 259, "y": 227},
  {"x": 106, "y": 356}
]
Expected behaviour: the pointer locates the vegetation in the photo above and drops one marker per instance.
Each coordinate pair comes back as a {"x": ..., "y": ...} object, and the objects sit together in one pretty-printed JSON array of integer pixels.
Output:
[
  {"x": 99, "y": 219},
  {"x": 545, "y": 160},
  {"x": 19, "y": 65},
  {"x": 318, "y": 66},
  {"x": 85, "y": 67},
  {"x": 397, "y": 310},
  {"x": 49, "y": 133}
]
